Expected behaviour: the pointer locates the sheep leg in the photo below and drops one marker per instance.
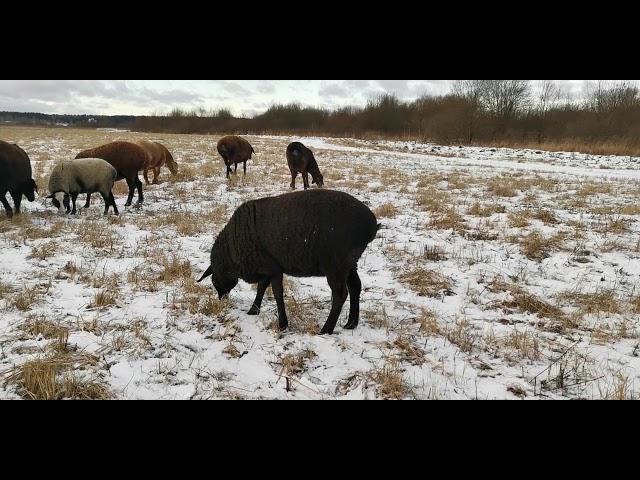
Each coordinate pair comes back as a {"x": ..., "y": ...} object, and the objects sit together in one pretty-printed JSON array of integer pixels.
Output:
[
  {"x": 139, "y": 187},
  {"x": 132, "y": 185},
  {"x": 108, "y": 202},
  {"x": 245, "y": 167},
  {"x": 6, "y": 206},
  {"x": 74, "y": 197},
  {"x": 338, "y": 297},
  {"x": 293, "y": 179},
  {"x": 262, "y": 287},
  {"x": 355, "y": 287},
  {"x": 17, "y": 200},
  {"x": 278, "y": 293},
  {"x": 235, "y": 172},
  {"x": 228, "y": 169},
  {"x": 156, "y": 175},
  {"x": 145, "y": 174},
  {"x": 112, "y": 200},
  {"x": 88, "y": 202},
  {"x": 305, "y": 178}
]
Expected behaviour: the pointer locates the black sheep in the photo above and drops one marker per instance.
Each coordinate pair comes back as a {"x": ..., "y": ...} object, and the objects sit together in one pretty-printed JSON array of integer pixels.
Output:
[
  {"x": 302, "y": 234},
  {"x": 15, "y": 177},
  {"x": 301, "y": 160}
]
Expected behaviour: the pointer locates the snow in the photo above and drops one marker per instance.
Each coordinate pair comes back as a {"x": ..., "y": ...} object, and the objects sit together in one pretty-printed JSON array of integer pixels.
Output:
[{"x": 151, "y": 346}]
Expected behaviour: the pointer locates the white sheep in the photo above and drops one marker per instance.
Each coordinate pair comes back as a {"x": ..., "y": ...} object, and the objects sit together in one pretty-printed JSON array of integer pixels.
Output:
[{"x": 70, "y": 178}]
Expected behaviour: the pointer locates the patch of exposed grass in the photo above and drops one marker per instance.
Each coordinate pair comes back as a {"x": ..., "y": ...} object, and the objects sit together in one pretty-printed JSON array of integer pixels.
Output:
[
  {"x": 386, "y": 210},
  {"x": 426, "y": 283},
  {"x": 485, "y": 209},
  {"x": 600, "y": 301},
  {"x": 389, "y": 381}
]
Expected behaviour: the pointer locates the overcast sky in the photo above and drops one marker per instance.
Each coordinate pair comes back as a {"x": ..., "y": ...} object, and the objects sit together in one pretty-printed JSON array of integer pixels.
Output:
[{"x": 242, "y": 97}]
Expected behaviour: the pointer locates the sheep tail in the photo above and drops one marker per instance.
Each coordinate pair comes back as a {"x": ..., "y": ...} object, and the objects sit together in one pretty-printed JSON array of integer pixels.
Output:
[
  {"x": 206, "y": 274},
  {"x": 252, "y": 150}
]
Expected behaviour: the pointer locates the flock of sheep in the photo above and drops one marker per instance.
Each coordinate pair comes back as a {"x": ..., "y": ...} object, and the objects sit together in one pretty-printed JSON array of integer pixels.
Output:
[{"x": 304, "y": 234}]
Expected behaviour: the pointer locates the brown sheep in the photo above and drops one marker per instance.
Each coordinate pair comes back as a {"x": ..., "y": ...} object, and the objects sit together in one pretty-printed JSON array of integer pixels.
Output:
[
  {"x": 301, "y": 160},
  {"x": 15, "y": 177},
  {"x": 303, "y": 234},
  {"x": 127, "y": 158},
  {"x": 235, "y": 150},
  {"x": 157, "y": 156}
]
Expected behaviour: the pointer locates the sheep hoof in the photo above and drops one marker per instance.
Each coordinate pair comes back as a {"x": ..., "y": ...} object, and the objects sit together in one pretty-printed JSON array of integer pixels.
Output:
[
  {"x": 350, "y": 325},
  {"x": 9, "y": 214},
  {"x": 326, "y": 331},
  {"x": 128, "y": 204},
  {"x": 283, "y": 326},
  {"x": 253, "y": 311}
]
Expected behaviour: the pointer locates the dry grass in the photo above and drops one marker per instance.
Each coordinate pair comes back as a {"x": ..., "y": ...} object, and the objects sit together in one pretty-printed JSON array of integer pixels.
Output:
[
  {"x": 409, "y": 350},
  {"x": 600, "y": 301},
  {"x": 485, "y": 209},
  {"x": 525, "y": 343},
  {"x": 174, "y": 268},
  {"x": 294, "y": 364},
  {"x": 103, "y": 299},
  {"x": 433, "y": 253},
  {"x": 518, "y": 220},
  {"x": 501, "y": 188},
  {"x": 44, "y": 251},
  {"x": 41, "y": 326},
  {"x": 433, "y": 200},
  {"x": 386, "y": 210},
  {"x": 523, "y": 301},
  {"x": 462, "y": 334},
  {"x": 56, "y": 377},
  {"x": 302, "y": 314},
  {"x": 426, "y": 283},
  {"x": 389, "y": 381},
  {"x": 428, "y": 323},
  {"x": 537, "y": 247},
  {"x": 24, "y": 299},
  {"x": 447, "y": 220}
]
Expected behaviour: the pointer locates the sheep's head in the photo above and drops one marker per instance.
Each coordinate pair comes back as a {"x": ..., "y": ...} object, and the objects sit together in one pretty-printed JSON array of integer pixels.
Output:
[
  {"x": 223, "y": 283},
  {"x": 29, "y": 189},
  {"x": 318, "y": 179},
  {"x": 60, "y": 200}
]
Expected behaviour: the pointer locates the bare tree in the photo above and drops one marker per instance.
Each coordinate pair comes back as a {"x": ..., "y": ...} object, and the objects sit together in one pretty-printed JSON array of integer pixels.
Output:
[
  {"x": 505, "y": 98},
  {"x": 549, "y": 95}
]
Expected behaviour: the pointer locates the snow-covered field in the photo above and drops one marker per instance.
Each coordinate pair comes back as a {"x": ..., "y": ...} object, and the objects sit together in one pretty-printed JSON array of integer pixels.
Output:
[{"x": 498, "y": 273}]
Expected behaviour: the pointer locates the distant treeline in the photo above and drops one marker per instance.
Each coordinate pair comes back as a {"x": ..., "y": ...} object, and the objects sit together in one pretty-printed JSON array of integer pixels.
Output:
[
  {"x": 80, "y": 121},
  {"x": 499, "y": 112}
]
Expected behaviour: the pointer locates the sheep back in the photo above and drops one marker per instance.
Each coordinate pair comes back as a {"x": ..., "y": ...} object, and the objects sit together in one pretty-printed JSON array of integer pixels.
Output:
[
  {"x": 87, "y": 175},
  {"x": 15, "y": 167},
  {"x": 300, "y": 234},
  {"x": 127, "y": 158},
  {"x": 234, "y": 149}
]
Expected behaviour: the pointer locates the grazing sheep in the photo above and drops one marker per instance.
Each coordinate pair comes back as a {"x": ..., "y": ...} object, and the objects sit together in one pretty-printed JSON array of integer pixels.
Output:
[
  {"x": 15, "y": 177},
  {"x": 127, "y": 158},
  {"x": 301, "y": 160},
  {"x": 235, "y": 150},
  {"x": 303, "y": 234},
  {"x": 157, "y": 156},
  {"x": 87, "y": 175}
]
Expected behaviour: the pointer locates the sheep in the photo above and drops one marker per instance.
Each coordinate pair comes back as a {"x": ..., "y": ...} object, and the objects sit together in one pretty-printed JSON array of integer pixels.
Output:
[
  {"x": 87, "y": 175},
  {"x": 301, "y": 160},
  {"x": 157, "y": 156},
  {"x": 303, "y": 234},
  {"x": 127, "y": 158},
  {"x": 15, "y": 177},
  {"x": 235, "y": 150}
]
